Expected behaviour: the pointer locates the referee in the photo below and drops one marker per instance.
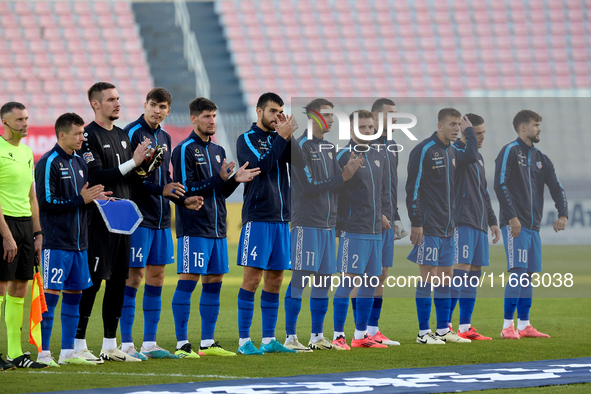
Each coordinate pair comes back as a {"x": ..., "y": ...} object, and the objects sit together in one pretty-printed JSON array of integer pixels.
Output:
[
  {"x": 108, "y": 154},
  {"x": 20, "y": 228}
]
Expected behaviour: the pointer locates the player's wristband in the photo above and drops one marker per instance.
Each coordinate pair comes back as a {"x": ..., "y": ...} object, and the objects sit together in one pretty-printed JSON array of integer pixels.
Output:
[
  {"x": 126, "y": 167},
  {"x": 36, "y": 233}
]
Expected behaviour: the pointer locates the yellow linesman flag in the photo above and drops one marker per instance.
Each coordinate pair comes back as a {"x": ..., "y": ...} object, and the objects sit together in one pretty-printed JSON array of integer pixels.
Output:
[{"x": 38, "y": 306}]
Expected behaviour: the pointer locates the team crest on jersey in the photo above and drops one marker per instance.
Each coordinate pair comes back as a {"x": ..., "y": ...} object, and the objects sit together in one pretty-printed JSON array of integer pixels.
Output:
[
  {"x": 377, "y": 163},
  {"x": 539, "y": 163},
  {"x": 453, "y": 161},
  {"x": 218, "y": 158},
  {"x": 165, "y": 147},
  {"x": 481, "y": 163},
  {"x": 88, "y": 157},
  {"x": 330, "y": 155},
  {"x": 124, "y": 144},
  {"x": 81, "y": 173}
]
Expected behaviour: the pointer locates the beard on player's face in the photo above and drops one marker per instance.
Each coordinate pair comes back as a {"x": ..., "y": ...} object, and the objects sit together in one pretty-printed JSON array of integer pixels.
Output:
[
  {"x": 205, "y": 129},
  {"x": 269, "y": 124}
]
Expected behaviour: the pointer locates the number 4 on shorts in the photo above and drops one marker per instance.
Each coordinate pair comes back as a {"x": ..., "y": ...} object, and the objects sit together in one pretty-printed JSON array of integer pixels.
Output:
[{"x": 253, "y": 253}]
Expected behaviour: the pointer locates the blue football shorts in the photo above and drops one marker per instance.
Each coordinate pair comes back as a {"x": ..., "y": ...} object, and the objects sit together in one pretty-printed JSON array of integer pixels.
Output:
[
  {"x": 203, "y": 256},
  {"x": 265, "y": 245},
  {"x": 525, "y": 251},
  {"x": 388, "y": 247},
  {"x": 435, "y": 251},
  {"x": 360, "y": 254},
  {"x": 65, "y": 270},
  {"x": 313, "y": 250},
  {"x": 151, "y": 246},
  {"x": 472, "y": 246}
]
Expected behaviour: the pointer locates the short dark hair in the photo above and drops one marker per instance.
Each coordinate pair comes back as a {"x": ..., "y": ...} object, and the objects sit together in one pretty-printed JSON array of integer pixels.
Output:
[
  {"x": 201, "y": 104},
  {"x": 95, "y": 91},
  {"x": 378, "y": 105},
  {"x": 525, "y": 116},
  {"x": 476, "y": 120},
  {"x": 363, "y": 114},
  {"x": 8, "y": 107},
  {"x": 66, "y": 121},
  {"x": 445, "y": 112},
  {"x": 159, "y": 95},
  {"x": 269, "y": 96},
  {"x": 317, "y": 103}
]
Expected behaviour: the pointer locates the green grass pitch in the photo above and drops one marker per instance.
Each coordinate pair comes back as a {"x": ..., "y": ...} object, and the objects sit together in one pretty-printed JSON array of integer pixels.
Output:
[{"x": 565, "y": 319}]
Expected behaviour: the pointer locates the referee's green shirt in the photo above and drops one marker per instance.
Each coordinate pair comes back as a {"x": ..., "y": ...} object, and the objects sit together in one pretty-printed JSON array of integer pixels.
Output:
[{"x": 16, "y": 178}]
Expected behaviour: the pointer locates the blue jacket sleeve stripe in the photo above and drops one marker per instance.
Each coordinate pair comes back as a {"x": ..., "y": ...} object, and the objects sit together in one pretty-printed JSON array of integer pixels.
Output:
[
  {"x": 461, "y": 150},
  {"x": 418, "y": 182},
  {"x": 47, "y": 176},
  {"x": 183, "y": 166},
  {"x": 303, "y": 140},
  {"x": 133, "y": 130},
  {"x": 505, "y": 158},
  {"x": 251, "y": 147},
  {"x": 308, "y": 175}
]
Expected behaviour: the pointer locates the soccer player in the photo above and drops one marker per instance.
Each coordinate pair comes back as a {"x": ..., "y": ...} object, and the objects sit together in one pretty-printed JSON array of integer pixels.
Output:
[
  {"x": 359, "y": 226},
  {"x": 520, "y": 174},
  {"x": 20, "y": 228},
  {"x": 313, "y": 246},
  {"x": 151, "y": 242},
  {"x": 430, "y": 199},
  {"x": 473, "y": 216},
  {"x": 61, "y": 180},
  {"x": 392, "y": 228},
  {"x": 202, "y": 251},
  {"x": 108, "y": 154},
  {"x": 264, "y": 246}
]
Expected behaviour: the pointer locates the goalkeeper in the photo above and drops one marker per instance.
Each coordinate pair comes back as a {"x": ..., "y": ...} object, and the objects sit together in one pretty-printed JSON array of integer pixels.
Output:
[
  {"x": 151, "y": 243},
  {"x": 111, "y": 161}
]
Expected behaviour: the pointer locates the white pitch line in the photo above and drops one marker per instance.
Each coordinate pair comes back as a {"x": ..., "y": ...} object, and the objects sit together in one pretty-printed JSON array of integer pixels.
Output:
[{"x": 141, "y": 374}]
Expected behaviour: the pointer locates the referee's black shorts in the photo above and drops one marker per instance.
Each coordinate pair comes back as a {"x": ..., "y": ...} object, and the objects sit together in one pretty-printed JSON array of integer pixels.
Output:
[
  {"x": 108, "y": 253},
  {"x": 21, "y": 267}
]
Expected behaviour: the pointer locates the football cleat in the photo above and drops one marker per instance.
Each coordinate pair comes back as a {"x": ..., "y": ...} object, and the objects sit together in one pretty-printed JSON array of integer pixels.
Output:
[
  {"x": 473, "y": 335},
  {"x": 74, "y": 358},
  {"x": 366, "y": 342},
  {"x": 132, "y": 351},
  {"x": 157, "y": 352},
  {"x": 216, "y": 350},
  {"x": 509, "y": 333},
  {"x": 530, "y": 332},
  {"x": 340, "y": 343},
  {"x": 451, "y": 336},
  {"x": 88, "y": 356},
  {"x": 249, "y": 349},
  {"x": 429, "y": 339},
  {"x": 117, "y": 355},
  {"x": 275, "y": 347},
  {"x": 381, "y": 338},
  {"x": 321, "y": 344},
  {"x": 294, "y": 344},
  {"x": 25, "y": 361},
  {"x": 186, "y": 351},
  {"x": 45, "y": 358},
  {"x": 5, "y": 366}
]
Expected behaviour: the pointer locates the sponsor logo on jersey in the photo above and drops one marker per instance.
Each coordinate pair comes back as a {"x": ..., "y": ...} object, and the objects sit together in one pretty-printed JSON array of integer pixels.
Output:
[
  {"x": 124, "y": 144},
  {"x": 88, "y": 157},
  {"x": 436, "y": 154},
  {"x": 218, "y": 158},
  {"x": 106, "y": 146}
]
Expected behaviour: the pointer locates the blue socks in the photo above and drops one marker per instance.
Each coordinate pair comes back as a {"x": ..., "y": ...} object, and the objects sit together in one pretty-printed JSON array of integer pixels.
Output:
[
  {"x": 456, "y": 290},
  {"x": 442, "y": 305},
  {"x": 152, "y": 304},
  {"x": 525, "y": 300},
  {"x": 376, "y": 311},
  {"x": 318, "y": 308},
  {"x": 70, "y": 317},
  {"x": 269, "y": 312},
  {"x": 292, "y": 305},
  {"x": 354, "y": 306},
  {"x": 47, "y": 322},
  {"x": 245, "y": 312},
  {"x": 209, "y": 308},
  {"x": 512, "y": 293},
  {"x": 128, "y": 314},
  {"x": 364, "y": 304},
  {"x": 181, "y": 307},
  {"x": 423, "y": 301},
  {"x": 468, "y": 297},
  {"x": 340, "y": 306}
]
